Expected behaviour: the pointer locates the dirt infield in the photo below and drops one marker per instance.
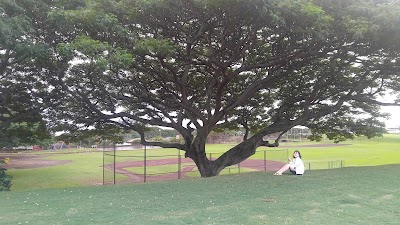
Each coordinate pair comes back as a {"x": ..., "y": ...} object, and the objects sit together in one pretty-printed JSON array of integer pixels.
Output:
[
  {"x": 120, "y": 168},
  {"x": 133, "y": 177},
  {"x": 30, "y": 161}
]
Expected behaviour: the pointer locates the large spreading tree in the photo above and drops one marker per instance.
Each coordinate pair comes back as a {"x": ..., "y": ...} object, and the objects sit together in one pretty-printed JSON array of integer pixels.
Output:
[{"x": 201, "y": 65}]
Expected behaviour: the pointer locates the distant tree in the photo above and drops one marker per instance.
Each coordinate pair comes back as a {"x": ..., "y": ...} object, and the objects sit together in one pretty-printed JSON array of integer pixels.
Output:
[
  {"x": 104, "y": 133},
  {"x": 202, "y": 65},
  {"x": 5, "y": 179}
]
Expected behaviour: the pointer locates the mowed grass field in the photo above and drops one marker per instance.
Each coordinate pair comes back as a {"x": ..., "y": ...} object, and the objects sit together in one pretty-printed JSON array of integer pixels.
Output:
[
  {"x": 351, "y": 195},
  {"x": 85, "y": 168},
  {"x": 366, "y": 191}
]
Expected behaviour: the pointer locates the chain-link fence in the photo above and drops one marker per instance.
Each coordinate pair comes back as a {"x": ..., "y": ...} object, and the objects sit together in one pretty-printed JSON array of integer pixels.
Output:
[
  {"x": 335, "y": 164},
  {"x": 142, "y": 165},
  {"x": 149, "y": 164}
]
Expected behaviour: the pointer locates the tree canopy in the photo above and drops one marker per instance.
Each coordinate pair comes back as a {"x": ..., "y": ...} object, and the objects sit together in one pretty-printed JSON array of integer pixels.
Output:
[
  {"x": 21, "y": 120},
  {"x": 202, "y": 65}
]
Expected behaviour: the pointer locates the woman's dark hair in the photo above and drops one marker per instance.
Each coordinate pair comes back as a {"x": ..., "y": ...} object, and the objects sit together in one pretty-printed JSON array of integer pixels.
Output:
[{"x": 297, "y": 152}]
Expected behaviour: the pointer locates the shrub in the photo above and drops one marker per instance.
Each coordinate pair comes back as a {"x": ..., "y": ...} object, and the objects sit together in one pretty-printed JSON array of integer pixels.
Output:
[{"x": 5, "y": 179}]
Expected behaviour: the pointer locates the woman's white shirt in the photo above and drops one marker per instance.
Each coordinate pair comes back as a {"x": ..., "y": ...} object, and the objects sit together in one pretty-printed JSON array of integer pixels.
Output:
[{"x": 298, "y": 165}]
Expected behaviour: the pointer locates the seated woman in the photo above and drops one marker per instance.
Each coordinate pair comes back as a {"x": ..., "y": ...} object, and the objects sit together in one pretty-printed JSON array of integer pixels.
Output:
[{"x": 296, "y": 166}]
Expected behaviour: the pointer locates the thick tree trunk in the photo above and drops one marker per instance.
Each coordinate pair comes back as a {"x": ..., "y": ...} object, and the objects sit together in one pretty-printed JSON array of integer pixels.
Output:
[
  {"x": 204, "y": 165},
  {"x": 197, "y": 152}
]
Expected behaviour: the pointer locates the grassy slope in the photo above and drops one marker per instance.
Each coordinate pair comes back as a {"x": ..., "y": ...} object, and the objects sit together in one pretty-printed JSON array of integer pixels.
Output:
[{"x": 356, "y": 195}]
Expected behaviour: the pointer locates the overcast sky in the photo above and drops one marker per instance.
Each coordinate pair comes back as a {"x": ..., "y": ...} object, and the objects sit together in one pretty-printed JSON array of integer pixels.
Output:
[{"x": 394, "y": 121}]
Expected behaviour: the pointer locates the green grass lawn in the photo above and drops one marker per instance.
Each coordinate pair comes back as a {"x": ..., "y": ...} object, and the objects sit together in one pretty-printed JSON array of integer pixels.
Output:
[
  {"x": 360, "y": 152},
  {"x": 352, "y": 195},
  {"x": 85, "y": 168}
]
